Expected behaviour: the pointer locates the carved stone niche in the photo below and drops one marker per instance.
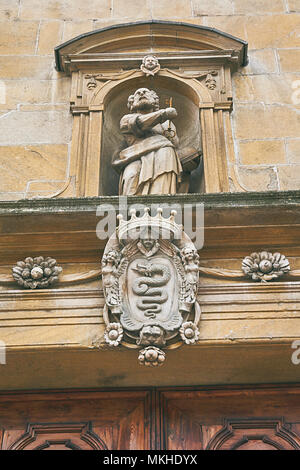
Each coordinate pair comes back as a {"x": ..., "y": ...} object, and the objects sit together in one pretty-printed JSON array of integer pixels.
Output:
[{"x": 193, "y": 70}]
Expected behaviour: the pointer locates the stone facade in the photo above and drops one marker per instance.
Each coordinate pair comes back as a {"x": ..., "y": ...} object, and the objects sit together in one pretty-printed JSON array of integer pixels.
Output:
[{"x": 36, "y": 122}]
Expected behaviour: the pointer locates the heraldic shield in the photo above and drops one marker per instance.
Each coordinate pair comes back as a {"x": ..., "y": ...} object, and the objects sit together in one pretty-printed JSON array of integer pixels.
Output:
[{"x": 150, "y": 271}]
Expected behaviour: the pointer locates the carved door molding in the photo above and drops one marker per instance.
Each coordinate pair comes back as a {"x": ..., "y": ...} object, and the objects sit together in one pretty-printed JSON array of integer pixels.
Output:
[
  {"x": 195, "y": 61},
  {"x": 73, "y": 436},
  {"x": 213, "y": 418},
  {"x": 86, "y": 420},
  {"x": 265, "y": 434}
]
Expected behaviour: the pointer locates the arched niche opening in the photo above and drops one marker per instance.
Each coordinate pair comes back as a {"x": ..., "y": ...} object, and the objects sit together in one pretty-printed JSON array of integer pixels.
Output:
[
  {"x": 184, "y": 99},
  {"x": 196, "y": 67}
]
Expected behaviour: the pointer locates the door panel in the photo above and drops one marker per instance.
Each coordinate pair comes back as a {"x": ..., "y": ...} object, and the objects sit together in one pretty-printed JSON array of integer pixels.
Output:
[
  {"x": 173, "y": 419},
  {"x": 76, "y": 420},
  {"x": 231, "y": 419}
]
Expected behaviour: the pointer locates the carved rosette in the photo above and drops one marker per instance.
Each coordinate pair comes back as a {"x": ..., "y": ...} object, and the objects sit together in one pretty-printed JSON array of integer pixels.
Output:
[
  {"x": 36, "y": 273},
  {"x": 150, "y": 271},
  {"x": 265, "y": 266},
  {"x": 152, "y": 357},
  {"x": 113, "y": 334},
  {"x": 189, "y": 333}
]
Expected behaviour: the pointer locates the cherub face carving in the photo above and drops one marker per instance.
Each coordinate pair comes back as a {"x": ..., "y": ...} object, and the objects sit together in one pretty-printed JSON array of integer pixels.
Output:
[
  {"x": 150, "y": 62},
  {"x": 150, "y": 65}
]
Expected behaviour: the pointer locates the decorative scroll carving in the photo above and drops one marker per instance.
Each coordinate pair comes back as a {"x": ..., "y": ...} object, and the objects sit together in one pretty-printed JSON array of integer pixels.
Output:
[
  {"x": 210, "y": 81},
  {"x": 92, "y": 79},
  {"x": 150, "y": 273},
  {"x": 36, "y": 272},
  {"x": 265, "y": 266}
]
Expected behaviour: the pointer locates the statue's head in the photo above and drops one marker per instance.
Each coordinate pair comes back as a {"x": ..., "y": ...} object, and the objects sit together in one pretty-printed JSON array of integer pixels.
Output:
[
  {"x": 150, "y": 62},
  {"x": 148, "y": 243},
  {"x": 111, "y": 257},
  {"x": 189, "y": 254},
  {"x": 143, "y": 99}
]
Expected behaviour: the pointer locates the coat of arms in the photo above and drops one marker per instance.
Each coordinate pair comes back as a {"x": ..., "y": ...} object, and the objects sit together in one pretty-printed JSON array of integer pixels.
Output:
[{"x": 150, "y": 271}]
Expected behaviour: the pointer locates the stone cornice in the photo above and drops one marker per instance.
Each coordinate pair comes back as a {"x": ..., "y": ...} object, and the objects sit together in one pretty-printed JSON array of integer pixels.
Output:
[{"x": 236, "y": 224}]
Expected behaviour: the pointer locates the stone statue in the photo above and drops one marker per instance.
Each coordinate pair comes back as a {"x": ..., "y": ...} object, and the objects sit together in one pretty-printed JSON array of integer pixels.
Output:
[{"x": 150, "y": 163}]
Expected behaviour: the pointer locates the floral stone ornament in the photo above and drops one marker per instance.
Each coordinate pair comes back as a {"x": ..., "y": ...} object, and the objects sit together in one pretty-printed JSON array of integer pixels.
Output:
[
  {"x": 189, "y": 333},
  {"x": 265, "y": 266},
  {"x": 152, "y": 356},
  {"x": 150, "y": 272},
  {"x": 39, "y": 272}
]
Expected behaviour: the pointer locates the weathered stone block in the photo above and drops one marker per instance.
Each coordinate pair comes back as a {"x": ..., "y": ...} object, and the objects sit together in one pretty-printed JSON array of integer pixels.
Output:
[
  {"x": 260, "y": 61},
  {"x": 35, "y": 67},
  {"x": 289, "y": 59},
  {"x": 18, "y": 37},
  {"x": 19, "y": 128},
  {"x": 75, "y": 28},
  {"x": 273, "y": 31},
  {"x": 44, "y": 107},
  {"x": 61, "y": 90},
  {"x": 20, "y": 165},
  {"x": 258, "y": 179},
  {"x": 212, "y": 7},
  {"x": 35, "y": 92},
  {"x": 293, "y": 151},
  {"x": 263, "y": 152},
  {"x": 258, "y": 6},
  {"x": 289, "y": 177},
  {"x": 50, "y": 36},
  {"x": 269, "y": 89},
  {"x": 177, "y": 9},
  {"x": 26, "y": 91},
  {"x": 234, "y": 25},
  {"x": 294, "y": 5},
  {"x": 9, "y": 9},
  {"x": 266, "y": 122},
  {"x": 134, "y": 8},
  {"x": 64, "y": 9},
  {"x": 11, "y": 196}
]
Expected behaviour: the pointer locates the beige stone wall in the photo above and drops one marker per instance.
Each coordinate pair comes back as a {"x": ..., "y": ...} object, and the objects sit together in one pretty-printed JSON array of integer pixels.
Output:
[{"x": 35, "y": 121}]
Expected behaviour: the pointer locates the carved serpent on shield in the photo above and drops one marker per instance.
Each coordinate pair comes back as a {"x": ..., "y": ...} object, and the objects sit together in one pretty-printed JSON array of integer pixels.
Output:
[{"x": 148, "y": 287}]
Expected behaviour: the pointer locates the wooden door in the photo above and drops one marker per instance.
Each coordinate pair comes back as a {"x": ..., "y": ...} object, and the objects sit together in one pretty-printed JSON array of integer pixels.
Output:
[
  {"x": 243, "y": 418},
  {"x": 76, "y": 420}
]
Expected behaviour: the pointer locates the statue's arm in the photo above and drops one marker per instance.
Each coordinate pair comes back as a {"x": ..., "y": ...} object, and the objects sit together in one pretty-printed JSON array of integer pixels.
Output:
[
  {"x": 147, "y": 121},
  {"x": 138, "y": 123}
]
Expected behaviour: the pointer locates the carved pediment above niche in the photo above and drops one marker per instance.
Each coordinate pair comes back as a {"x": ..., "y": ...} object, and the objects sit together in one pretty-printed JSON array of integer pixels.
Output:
[
  {"x": 126, "y": 44},
  {"x": 191, "y": 72}
]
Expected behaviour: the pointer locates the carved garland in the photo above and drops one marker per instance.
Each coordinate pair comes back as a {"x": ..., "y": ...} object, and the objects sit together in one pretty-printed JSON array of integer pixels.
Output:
[{"x": 259, "y": 267}]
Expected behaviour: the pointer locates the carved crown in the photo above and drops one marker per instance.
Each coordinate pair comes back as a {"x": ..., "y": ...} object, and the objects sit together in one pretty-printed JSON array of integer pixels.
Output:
[{"x": 149, "y": 227}]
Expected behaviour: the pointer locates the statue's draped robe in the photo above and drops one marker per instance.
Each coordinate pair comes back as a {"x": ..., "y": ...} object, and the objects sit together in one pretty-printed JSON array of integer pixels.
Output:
[{"x": 153, "y": 166}]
